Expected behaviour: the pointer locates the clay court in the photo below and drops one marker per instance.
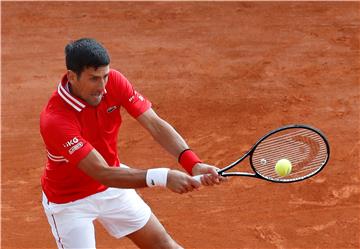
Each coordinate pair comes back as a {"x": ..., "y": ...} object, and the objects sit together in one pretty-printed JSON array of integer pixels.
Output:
[{"x": 223, "y": 74}]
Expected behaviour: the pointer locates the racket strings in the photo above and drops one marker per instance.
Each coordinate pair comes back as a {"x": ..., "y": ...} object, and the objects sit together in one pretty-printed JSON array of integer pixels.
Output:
[
  {"x": 303, "y": 171},
  {"x": 299, "y": 162},
  {"x": 290, "y": 150},
  {"x": 296, "y": 172},
  {"x": 305, "y": 149},
  {"x": 313, "y": 152},
  {"x": 287, "y": 147}
]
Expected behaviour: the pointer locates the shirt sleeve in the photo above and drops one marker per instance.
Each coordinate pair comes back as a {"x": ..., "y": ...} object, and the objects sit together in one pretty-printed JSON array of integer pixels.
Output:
[
  {"x": 134, "y": 103},
  {"x": 63, "y": 139}
]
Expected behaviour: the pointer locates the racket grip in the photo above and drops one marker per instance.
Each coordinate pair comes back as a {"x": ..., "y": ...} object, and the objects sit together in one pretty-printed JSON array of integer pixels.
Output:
[{"x": 197, "y": 177}]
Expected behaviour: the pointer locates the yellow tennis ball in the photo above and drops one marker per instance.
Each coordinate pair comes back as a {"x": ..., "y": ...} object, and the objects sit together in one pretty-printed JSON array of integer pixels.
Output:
[{"x": 283, "y": 167}]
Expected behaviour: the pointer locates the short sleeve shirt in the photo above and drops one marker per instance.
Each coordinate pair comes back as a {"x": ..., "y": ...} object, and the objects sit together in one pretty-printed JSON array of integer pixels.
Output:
[{"x": 71, "y": 128}]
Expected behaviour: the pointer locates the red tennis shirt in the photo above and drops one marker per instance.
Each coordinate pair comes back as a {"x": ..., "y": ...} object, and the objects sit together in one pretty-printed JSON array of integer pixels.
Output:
[{"x": 71, "y": 128}]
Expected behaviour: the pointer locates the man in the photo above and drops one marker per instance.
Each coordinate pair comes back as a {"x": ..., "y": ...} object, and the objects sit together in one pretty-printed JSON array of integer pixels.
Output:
[{"x": 83, "y": 179}]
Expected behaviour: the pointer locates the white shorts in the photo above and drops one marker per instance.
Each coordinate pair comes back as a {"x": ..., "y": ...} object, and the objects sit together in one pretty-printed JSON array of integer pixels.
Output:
[{"x": 120, "y": 211}]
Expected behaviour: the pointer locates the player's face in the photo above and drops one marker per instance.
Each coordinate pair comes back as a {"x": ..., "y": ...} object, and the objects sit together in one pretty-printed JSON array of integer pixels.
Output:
[{"x": 90, "y": 86}]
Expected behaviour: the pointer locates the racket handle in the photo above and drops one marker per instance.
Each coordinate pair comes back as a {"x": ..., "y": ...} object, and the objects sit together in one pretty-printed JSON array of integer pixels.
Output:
[{"x": 197, "y": 177}]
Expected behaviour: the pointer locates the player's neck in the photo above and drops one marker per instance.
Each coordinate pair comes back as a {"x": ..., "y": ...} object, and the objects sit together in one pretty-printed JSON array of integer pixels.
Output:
[{"x": 71, "y": 90}]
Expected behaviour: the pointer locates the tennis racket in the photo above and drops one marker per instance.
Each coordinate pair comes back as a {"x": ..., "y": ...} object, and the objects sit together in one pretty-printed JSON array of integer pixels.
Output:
[{"x": 304, "y": 146}]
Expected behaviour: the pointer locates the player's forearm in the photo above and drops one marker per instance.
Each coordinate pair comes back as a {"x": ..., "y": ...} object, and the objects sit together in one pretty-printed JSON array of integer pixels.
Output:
[
  {"x": 95, "y": 166},
  {"x": 169, "y": 138},
  {"x": 175, "y": 145},
  {"x": 122, "y": 177},
  {"x": 163, "y": 133}
]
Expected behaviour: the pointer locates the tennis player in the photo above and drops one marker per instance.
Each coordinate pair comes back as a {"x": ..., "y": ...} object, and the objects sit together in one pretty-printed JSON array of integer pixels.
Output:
[{"x": 83, "y": 179}]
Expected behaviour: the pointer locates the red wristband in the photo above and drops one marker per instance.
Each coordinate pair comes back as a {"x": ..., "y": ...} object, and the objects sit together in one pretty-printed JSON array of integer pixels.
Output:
[{"x": 188, "y": 159}]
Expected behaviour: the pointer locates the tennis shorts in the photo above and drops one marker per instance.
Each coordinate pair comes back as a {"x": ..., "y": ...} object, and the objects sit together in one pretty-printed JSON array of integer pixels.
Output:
[{"x": 120, "y": 211}]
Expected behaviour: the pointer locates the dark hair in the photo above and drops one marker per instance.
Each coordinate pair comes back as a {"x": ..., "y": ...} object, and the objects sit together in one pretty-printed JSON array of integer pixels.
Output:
[{"x": 84, "y": 53}]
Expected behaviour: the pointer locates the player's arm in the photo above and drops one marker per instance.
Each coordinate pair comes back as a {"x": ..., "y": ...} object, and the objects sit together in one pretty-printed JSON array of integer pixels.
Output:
[
  {"x": 96, "y": 167},
  {"x": 140, "y": 108},
  {"x": 172, "y": 142}
]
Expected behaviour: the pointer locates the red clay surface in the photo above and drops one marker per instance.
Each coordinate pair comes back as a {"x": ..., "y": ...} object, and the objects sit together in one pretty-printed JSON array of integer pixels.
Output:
[{"x": 223, "y": 74}]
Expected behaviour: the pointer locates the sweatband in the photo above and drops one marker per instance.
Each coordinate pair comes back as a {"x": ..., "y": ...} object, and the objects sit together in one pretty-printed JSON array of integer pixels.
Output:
[
  {"x": 188, "y": 159},
  {"x": 157, "y": 177}
]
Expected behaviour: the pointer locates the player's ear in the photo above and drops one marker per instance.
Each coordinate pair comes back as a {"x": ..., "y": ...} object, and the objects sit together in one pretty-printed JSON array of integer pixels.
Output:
[{"x": 72, "y": 76}]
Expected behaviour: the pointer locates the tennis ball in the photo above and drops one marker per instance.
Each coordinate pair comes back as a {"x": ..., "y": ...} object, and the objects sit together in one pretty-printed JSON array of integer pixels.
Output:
[{"x": 283, "y": 167}]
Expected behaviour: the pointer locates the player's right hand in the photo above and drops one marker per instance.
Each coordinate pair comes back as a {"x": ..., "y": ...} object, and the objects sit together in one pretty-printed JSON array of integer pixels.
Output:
[{"x": 180, "y": 182}]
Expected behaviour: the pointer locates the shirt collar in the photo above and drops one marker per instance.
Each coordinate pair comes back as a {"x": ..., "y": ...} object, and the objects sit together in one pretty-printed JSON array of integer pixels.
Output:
[
  {"x": 64, "y": 92},
  {"x": 70, "y": 99}
]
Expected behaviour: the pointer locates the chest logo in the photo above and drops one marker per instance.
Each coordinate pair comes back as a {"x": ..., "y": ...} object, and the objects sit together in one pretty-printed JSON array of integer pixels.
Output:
[{"x": 111, "y": 109}]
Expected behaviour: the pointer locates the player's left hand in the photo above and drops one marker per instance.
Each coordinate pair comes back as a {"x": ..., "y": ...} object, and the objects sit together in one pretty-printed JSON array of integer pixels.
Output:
[{"x": 209, "y": 172}]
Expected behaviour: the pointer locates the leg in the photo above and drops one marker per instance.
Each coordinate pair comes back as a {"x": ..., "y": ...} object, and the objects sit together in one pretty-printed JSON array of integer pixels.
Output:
[
  {"x": 124, "y": 213},
  {"x": 70, "y": 227},
  {"x": 69, "y": 235},
  {"x": 153, "y": 236}
]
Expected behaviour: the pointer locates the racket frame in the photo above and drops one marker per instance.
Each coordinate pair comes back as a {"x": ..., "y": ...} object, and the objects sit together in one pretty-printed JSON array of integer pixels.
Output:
[{"x": 223, "y": 172}]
